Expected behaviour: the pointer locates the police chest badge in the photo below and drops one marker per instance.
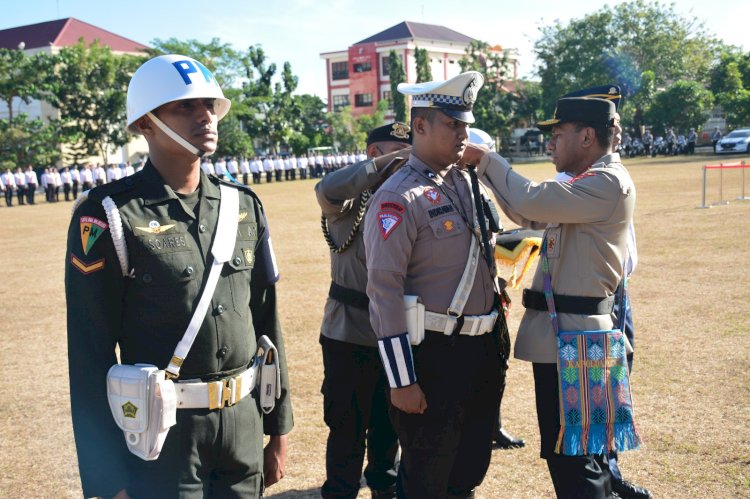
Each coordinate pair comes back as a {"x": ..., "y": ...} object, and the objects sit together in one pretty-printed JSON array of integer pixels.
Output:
[
  {"x": 91, "y": 229},
  {"x": 154, "y": 227},
  {"x": 432, "y": 195},
  {"x": 388, "y": 222}
]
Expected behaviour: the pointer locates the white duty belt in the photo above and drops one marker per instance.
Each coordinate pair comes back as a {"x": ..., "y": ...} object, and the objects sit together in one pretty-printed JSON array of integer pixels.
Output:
[
  {"x": 215, "y": 394},
  {"x": 474, "y": 325}
]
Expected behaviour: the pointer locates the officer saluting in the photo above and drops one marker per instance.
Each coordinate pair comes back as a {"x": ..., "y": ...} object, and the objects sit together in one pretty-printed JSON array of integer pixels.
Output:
[
  {"x": 138, "y": 257},
  {"x": 423, "y": 248},
  {"x": 354, "y": 381}
]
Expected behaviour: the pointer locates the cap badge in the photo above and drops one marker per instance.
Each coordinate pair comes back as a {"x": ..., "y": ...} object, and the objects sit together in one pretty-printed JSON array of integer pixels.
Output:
[
  {"x": 401, "y": 130},
  {"x": 470, "y": 93}
]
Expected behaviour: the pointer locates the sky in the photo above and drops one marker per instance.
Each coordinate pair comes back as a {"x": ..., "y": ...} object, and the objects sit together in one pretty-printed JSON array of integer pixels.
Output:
[{"x": 298, "y": 31}]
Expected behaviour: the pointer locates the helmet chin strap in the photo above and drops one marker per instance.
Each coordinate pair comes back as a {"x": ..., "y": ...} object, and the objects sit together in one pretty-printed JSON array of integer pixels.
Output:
[{"x": 174, "y": 136}]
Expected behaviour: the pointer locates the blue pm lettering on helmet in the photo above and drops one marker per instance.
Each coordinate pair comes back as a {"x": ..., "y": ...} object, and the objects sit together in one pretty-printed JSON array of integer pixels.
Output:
[{"x": 187, "y": 67}]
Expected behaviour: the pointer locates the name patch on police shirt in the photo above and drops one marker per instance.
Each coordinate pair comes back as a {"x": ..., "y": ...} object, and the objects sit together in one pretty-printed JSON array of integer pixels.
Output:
[
  {"x": 440, "y": 210},
  {"x": 388, "y": 222},
  {"x": 91, "y": 229}
]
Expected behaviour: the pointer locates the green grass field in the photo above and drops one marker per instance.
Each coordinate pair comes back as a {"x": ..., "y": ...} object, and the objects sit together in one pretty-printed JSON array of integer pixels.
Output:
[{"x": 690, "y": 382}]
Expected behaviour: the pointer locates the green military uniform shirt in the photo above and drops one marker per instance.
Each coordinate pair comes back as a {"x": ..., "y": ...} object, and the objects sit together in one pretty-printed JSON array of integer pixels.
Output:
[{"x": 147, "y": 312}]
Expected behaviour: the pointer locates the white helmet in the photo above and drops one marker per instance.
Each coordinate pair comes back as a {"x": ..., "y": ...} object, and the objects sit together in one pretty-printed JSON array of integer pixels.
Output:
[
  {"x": 477, "y": 136},
  {"x": 168, "y": 78}
]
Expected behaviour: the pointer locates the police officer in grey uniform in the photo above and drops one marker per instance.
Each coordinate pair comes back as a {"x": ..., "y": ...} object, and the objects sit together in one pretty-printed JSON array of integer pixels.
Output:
[
  {"x": 137, "y": 261},
  {"x": 422, "y": 239},
  {"x": 355, "y": 408},
  {"x": 586, "y": 222}
]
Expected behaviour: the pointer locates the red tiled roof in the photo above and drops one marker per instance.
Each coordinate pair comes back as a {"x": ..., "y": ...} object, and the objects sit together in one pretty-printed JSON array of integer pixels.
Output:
[
  {"x": 63, "y": 33},
  {"x": 408, "y": 29}
]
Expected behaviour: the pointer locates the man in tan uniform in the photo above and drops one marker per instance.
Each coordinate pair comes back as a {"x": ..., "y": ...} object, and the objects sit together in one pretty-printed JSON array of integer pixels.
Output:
[
  {"x": 586, "y": 222},
  {"x": 355, "y": 408},
  {"x": 419, "y": 231}
]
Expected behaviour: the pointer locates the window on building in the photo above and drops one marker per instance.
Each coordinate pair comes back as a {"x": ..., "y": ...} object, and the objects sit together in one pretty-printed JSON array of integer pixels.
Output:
[
  {"x": 363, "y": 100},
  {"x": 387, "y": 95},
  {"x": 362, "y": 67},
  {"x": 340, "y": 101},
  {"x": 385, "y": 64},
  {"x": 340, "y": 70}
]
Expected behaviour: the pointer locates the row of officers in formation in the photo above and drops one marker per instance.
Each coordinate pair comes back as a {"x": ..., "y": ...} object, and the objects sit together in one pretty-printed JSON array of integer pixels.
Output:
[
  {"x": 276, "y": 166},
  {"x": 69, "y": 181}
]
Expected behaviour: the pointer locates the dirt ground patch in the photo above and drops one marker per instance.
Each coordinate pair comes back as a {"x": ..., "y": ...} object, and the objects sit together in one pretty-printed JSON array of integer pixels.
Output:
[{"x": 690, "y": 295}]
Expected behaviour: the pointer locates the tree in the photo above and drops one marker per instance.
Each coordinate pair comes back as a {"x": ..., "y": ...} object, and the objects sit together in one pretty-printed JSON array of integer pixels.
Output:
[
  {"x": 397, "y": 75},
  {"x": 21, "y": 76},
  {"x": 527, "y": 103},
  {"x": 493, "y": 109},
  {"x": 424, "y": 72},
  {"x": 730, "y": 83},
  {"x": 343, "y": 129},
  {"x": 88, "y": 87},
  {"x": 684, "y": 105},
  {"x": 28, "y": 142},
  {"x": 639, "y": 45}
]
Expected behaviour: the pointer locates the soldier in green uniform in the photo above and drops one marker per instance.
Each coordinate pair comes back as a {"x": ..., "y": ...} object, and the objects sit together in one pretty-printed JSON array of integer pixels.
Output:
[
  {"x": 355, "y": 407},
  {"x": 138, "y": 254}
]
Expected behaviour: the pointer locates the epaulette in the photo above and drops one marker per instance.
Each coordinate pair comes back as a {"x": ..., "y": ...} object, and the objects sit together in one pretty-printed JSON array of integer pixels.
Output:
[
  {"x": 113, "y": 188},
  {"x": 242, "y": 187}
]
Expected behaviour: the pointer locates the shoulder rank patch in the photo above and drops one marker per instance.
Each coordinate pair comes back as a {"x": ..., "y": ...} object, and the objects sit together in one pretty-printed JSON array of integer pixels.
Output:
[
  {"x": 155, "y": 227},
  {"x": 91, "y": 229},
  {"x": 243, "y": 215},
  {"x": 388, "y": 222},
  {"x": 86, "y": 268},
  {"x": 392, "y": 207},
  {"x": 432, "y": 195}
]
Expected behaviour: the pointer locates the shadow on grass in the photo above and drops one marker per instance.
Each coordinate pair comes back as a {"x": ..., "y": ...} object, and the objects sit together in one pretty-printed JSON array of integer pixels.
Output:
[{"x": 295, "y": 494}]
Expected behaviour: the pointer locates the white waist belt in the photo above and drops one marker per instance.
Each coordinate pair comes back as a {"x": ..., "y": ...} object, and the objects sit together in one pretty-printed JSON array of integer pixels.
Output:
[
  {"x": 474, "y": 325},
  {"x": 215, "y": 394}
]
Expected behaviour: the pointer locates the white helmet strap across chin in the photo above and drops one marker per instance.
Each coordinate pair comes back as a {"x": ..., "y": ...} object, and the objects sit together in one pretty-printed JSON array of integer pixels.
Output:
[{"x": 177, "y": 138}]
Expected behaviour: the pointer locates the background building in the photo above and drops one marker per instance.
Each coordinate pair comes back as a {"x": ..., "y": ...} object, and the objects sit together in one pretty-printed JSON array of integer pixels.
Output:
[
  {"x": 50, "y": 37},
  {"x": 358, "y": 77}
]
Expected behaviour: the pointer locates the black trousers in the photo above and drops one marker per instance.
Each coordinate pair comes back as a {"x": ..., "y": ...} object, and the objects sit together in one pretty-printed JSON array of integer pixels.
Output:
[
  {"x": 9, "y": 196},
  {"x": 75, "y": 190},
  {"x": 66, "y": 190},
  {"x": 356, "y": 412},
  {"x": 269, "y": 177},
  {"x": 445, "y": 452},
  {"x": 30, "y": 193},
  {"x": 21, "y": 193},
  {"x": 573, "y": 477}
]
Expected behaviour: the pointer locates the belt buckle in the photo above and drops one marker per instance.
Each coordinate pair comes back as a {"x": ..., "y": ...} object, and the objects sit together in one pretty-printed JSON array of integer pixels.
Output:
[{"x": 224, "y": 393}]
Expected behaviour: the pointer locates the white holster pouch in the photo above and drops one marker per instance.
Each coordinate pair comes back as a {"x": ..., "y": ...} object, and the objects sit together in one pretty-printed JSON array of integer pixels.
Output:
[
  {"x": 414, "y": 309},
  {"x": 144, "y": 405},
  {"x": 269, "y": 380}
]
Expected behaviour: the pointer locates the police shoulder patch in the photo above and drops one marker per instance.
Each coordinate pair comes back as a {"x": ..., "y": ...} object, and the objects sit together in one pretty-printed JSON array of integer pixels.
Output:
[
  {"x": 91, "y": 229},
  {"x": 388, "y": 222}
]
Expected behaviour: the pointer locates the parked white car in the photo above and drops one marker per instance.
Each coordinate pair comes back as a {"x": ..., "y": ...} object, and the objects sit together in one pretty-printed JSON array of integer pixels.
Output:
[{"x": 735, "y": 141}]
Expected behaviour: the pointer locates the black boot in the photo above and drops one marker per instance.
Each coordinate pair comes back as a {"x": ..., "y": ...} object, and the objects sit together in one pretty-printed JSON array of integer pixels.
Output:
[{"x": 504, "y": 440}]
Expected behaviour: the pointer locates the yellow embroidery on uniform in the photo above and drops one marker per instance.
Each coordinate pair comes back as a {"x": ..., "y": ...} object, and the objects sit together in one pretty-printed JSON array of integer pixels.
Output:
[
  {"x": 129, "y": 409},
  {"x": 156, "y": 230},
  {"x": 243, "y": 215},
  {"x": 86, "y": 268},
  {"x": 448, "y": 225},
  {"x": 91, "y": 229},
  {"x": 249, "y": 256}
]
